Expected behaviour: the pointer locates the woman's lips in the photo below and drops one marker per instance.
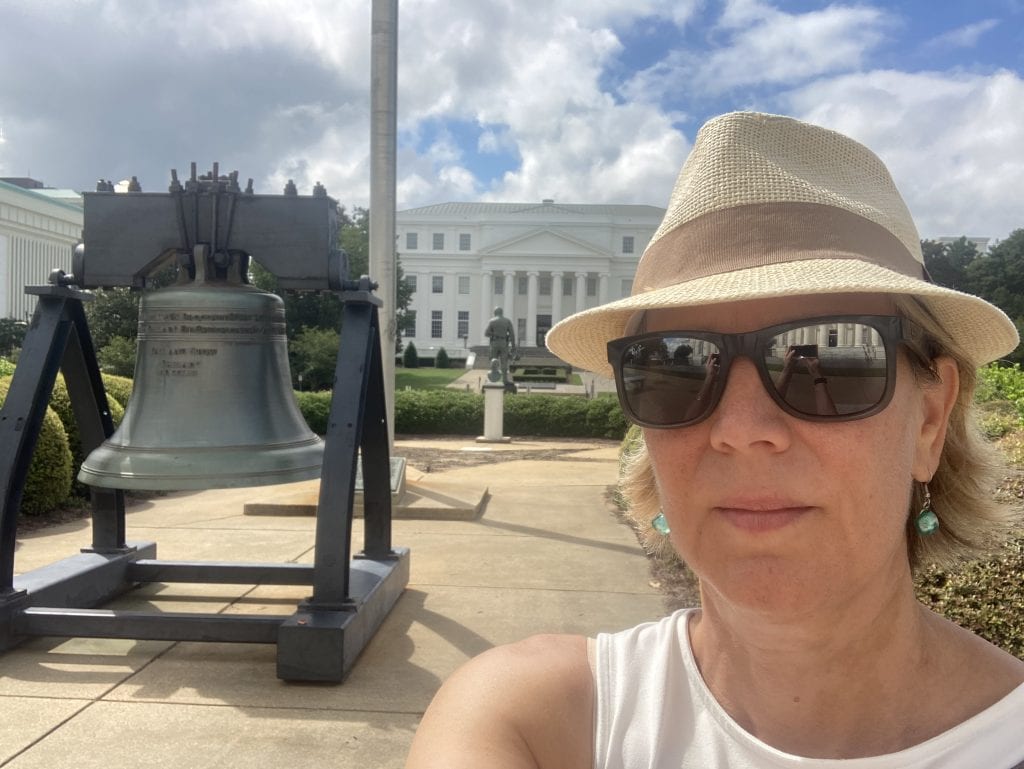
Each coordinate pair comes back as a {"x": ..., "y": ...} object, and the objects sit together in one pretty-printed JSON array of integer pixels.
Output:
[{"x": 758, "y": 517}]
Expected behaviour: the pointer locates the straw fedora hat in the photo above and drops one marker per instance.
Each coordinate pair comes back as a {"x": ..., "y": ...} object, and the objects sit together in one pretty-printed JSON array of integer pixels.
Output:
[{"x": 770, "y": 206}]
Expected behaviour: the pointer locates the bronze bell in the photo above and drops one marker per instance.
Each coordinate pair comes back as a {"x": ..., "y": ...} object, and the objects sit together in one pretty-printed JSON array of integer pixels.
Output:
[{"x": 212, "y": 405}]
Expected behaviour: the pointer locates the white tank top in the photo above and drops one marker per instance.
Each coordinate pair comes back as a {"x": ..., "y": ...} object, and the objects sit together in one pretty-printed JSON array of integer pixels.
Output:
[{"x": 653, "y": 711}]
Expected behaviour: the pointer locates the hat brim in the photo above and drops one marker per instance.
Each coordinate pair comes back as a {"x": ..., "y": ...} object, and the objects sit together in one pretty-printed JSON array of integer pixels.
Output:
[{"x": 981, "y": 329}]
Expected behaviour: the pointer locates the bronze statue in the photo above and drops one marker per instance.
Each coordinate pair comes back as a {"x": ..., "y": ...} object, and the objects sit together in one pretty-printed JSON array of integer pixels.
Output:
[{"x": 503, "y": 340}]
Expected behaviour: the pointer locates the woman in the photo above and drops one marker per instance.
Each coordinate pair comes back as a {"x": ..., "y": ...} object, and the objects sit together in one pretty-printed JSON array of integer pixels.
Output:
[{"x": 802, "y": 493}]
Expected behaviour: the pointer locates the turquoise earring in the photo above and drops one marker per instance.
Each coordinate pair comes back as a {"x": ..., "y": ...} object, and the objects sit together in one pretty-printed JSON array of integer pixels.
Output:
[
  {"x": 927, "y": 522},
  {"x": 660, "y": 524}
]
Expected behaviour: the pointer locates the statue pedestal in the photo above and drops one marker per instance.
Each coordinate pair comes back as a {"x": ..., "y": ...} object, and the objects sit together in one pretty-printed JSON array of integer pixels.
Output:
[{"x": 494, "y": 414}]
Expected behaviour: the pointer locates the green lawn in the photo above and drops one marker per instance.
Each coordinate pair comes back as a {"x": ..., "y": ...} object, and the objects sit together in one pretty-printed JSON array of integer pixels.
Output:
[{"x": 426, "y": 378}]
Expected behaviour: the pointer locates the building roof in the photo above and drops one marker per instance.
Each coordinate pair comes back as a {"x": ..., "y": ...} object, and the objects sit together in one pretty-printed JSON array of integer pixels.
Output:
[
  {"x": 547, "y": 208},
  {"x": 60, "y": 197}
]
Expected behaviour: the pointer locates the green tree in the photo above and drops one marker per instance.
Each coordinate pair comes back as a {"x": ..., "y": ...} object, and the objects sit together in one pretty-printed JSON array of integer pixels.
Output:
[
  {"x": 355, "y": 239},
  {"x": 441, "y": 360},
  {"x": 114, "y": 312},
  {"x": 411, "y": 357},
  {"x": 999, "y": 275},
  {"x": 12, "y": 333},
  {"x": 313, "y": 355},
  {"x": 947, "y": 263},
  {"x": 117, "y": 356}
]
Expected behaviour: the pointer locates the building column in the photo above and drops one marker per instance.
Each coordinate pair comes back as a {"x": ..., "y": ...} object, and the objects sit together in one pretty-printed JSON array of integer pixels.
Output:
[
  {"x": 556, "y": 297},
  {"x": 486, "y": 295},
  {"x": 510, "y": 299},
  {"x": 602, "y": 288},
  {"x": 451, "y": 314},
  {"x": 581, "y": 291},
  {"x": 531, "y": 309}
]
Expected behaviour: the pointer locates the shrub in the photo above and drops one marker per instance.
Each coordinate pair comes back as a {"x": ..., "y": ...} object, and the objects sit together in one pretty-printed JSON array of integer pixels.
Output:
[
  {"x": 997, "y": 418},
  {"x": 316, "y": 409},
  {"x": 983, "y": 596},
  {"x": 119, "y": 388},
  {"x": 60, "y": 402},
  {"x": 410, "y": 358},
  {"x": 438, "y": 412},
  {"x": 452, "y": 412},
  {"x": 546, "y": 415},
  {"x": 441, "y": 359},
  {"x": 1001, "y": 383},
  {"x": 6, "y": 367},
  {"x": 605, "y": 417},
  {"x": 49, "y": 476}
]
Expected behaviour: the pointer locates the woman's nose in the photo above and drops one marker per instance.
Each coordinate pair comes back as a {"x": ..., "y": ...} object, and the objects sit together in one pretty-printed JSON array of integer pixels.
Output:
[{"x": 746, "y": 417}]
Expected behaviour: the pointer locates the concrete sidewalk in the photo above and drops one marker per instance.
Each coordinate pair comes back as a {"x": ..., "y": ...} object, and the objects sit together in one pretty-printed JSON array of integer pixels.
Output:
[{"x": 546, "y": 555}]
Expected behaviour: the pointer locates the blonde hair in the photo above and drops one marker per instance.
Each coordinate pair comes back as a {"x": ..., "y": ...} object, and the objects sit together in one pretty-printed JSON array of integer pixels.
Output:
[{"x": 972, "y": 521}]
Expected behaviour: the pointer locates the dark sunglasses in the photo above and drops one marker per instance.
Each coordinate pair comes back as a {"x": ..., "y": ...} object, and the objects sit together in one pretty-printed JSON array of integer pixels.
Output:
[{"x": 834, "y": 368}]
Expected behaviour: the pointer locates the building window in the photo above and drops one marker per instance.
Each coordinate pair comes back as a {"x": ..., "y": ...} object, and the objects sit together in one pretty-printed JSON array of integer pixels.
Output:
[
  {"x": 627, "y": 286},
  {"x": 499, "y": 284},
  {"x": 567, "y": 286},
  {"x": 436, "y": 326},
  {"x": 463, "y": 284},
  {"x": 437, "y": 284},
  {"x": 409, "y": 323},
  {"x": 412, "y": 240},
  {"x": 410, "y": 283},
  {"x": 627, "y": 244},
  {"x": 463, "y": 324},
  {"x": 524, "y": 285},
  {"x": 464, "y": 241},
  {"x": 544, "y": 285},
  {"x": 591, "y": 286},
  {"x": 438, "y": 241}
]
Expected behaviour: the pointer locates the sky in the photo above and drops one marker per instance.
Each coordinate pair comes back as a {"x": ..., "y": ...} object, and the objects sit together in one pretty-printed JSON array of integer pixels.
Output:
[{"x": 582, "y": 101}]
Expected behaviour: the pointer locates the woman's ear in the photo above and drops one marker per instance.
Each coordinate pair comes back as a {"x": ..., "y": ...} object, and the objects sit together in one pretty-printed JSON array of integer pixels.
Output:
[{"x": 938, "y": 397}]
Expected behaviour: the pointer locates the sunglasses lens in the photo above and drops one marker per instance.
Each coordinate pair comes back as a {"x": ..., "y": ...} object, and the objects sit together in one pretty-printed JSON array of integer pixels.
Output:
[
  {"x": 669, "y": 380},
  {"x": 837, "y": 369}
]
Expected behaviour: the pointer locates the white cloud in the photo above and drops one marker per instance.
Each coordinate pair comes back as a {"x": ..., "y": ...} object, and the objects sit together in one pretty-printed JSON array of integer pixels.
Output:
[
  {"x": 538, "y": 97},
  {"x": 279, "y": 89},
  {"x": 963, "y": 37},
  {"x": 954, "y": 143},
  {"x": 761, "y": 45}
]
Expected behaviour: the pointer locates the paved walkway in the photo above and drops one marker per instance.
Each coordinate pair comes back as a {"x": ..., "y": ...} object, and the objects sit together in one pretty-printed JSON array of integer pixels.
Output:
[{"x": 546, "y": 555}]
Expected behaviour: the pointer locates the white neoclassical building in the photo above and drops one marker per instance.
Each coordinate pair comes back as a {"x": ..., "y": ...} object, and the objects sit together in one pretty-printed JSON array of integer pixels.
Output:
[
  {"x": 538, "y": 262},
  {"x": 39, "y": 227}
]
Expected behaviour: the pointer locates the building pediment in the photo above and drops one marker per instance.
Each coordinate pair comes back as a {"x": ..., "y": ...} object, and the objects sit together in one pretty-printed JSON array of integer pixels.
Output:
[{"x": 543, "y": 242}]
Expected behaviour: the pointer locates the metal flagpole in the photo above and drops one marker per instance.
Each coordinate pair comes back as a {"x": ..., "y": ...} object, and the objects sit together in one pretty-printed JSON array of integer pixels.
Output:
[{"x": 383, "y": 132}]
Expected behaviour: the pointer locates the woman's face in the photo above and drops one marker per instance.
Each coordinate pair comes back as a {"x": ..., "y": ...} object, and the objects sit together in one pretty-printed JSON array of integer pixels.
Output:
[{"x": 779, "y": 513}]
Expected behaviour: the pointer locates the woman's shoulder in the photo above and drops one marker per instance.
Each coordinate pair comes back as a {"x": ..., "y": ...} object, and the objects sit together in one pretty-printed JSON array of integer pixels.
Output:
[{"x": 523, "y": 705}]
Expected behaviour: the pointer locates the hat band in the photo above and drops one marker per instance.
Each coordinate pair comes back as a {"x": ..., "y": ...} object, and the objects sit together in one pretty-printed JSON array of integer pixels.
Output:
[{"x": 760, "y": 234}]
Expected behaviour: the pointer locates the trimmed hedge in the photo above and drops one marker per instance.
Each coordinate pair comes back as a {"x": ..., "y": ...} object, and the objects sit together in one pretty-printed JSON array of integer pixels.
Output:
[
  {"x": 60, "y": 402},
  {"x": 315, "y": 408},
  {"x": 438, "y": 412},
  {"x": 451, "y": 412},
  {"x": 119, "y": 388},
  {"x": 49, "y": 476}
]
